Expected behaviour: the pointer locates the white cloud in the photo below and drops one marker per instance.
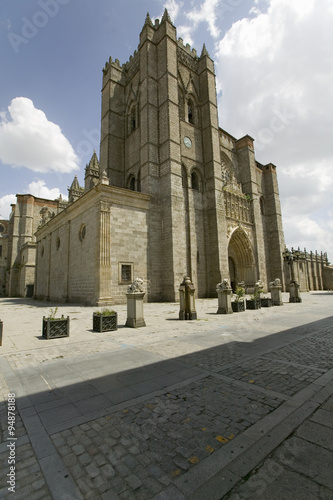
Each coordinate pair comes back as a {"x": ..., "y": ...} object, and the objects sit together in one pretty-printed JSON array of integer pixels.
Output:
[
  {"x": 313, "y": 235},
  {"x": 275, "y": 70},
  {"x": 40, "y": 190},
  {"x": 5, "y": 208},
  {"x": 173, "y": 7},
  {"x": 206, "y": 13},
  {"x": 28, "y": 139}
]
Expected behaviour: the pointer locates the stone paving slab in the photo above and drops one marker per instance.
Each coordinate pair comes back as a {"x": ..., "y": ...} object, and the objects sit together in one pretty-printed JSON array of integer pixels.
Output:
[{"x": 236, "y": 406}]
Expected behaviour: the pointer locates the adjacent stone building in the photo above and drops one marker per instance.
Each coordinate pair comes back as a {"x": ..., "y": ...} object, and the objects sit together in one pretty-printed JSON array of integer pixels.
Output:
[
  {"x": 4, "y": 265},
  {"x": 27, "y": 214},
  {"x": 173, "y": 194}
]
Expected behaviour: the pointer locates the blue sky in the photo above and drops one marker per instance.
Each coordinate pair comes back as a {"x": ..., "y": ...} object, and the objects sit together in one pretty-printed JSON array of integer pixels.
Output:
[{"x": 274, "y": 66}]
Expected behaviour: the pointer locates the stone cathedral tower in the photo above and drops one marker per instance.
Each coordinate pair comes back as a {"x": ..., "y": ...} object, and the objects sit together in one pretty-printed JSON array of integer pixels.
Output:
[
  {"x": 172, "y": 194},
  {"x": 215, "y": 211}
]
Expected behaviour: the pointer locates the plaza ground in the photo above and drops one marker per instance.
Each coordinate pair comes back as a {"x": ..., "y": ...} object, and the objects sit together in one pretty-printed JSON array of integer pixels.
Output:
[{"x": 227, "y": 406}]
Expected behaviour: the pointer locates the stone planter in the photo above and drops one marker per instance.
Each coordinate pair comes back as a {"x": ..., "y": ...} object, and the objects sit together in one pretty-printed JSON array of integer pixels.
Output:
[
  {"x": 105, "y": 322},
  {"x": 55, "y": 328},
  {"x": 253, "y": 304},
  {"x": 266, "y": 302},
  {"x": 1, "y": 330},
  {"x": 238, "y": 306}
]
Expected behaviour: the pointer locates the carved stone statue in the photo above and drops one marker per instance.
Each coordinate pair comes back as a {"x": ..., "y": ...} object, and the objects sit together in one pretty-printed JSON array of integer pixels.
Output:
[
  {"x": 224, "y": 285},
  {"x": 136, "y": 286}
]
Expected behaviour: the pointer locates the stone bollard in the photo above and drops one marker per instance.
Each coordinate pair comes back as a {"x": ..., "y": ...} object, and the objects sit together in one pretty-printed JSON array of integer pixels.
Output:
[
  {"x": 135, "y": 296},
  {"x": 294, "y": 292},
  {"x": 275, "y": 288},
  {"x": 187, "y": 299},
  {"x": 224, "y": 295}
]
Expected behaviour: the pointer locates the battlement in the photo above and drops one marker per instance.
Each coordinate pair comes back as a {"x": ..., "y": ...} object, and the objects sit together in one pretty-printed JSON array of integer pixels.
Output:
[
  {"x": 133, "y": 58},
  {"x": 187, "y": 48}
]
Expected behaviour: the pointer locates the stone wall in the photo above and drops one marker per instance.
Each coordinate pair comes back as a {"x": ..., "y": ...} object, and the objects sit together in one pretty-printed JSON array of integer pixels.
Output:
[{"x": 80, "y": 252}]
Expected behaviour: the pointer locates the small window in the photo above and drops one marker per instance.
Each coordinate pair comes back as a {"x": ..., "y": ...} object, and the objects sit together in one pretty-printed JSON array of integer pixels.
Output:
[
  {"x": 190, "y": 112},
  {"x": 262, "y": 205},
  {"x": 133, "y": 119},
  {"x": 42, "y": 251},
  {"x": 125, "y": 273},
  {"x": 82, "y": 232},
  {"x": 0, "y": 250},
  {"x": 139, "y": 182},
  {"x": 194, "y": 181},
  {"x": 57, "y": 243},
  {"x": 132, "y": 184},
  {"x": 2, "y": 228}
]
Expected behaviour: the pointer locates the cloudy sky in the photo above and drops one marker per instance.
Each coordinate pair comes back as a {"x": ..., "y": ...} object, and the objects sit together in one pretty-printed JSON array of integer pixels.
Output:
[{"x": 274, "y": 67}]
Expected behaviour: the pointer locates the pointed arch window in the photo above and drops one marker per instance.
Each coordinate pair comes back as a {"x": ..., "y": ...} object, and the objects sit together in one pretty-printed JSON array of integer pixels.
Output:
[
  {"x": 139, "y": 182},
  {"x": 132, "y": 183},
  {"x": 133, "y": 119},
  {"x": 195, "y": 185},
  {"x": 181, "y": 101},
  {"x": 190, "y": 112}
]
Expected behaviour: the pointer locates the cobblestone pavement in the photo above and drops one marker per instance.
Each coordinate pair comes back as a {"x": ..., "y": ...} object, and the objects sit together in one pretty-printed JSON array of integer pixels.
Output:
[
  {"x": 30, "y": 479},
  {"x": 244, "y": 412},
  {"x": 142, "y": 448}
]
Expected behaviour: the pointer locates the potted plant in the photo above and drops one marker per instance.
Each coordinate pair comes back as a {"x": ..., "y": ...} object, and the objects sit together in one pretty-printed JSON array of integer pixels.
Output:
[
  {"x": 254, "y": 301},
  {"x": 105, "y": 320},
  {"x": 238, "y": 304},
  {"x": 55, "y": 327},
  {"x": 266, "y": 302}
]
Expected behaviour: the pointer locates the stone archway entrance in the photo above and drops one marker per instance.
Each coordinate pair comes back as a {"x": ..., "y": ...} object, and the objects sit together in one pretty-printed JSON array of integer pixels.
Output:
[
  {"x": 232, "y": 273},
  {"x": 242, "y": 266}
]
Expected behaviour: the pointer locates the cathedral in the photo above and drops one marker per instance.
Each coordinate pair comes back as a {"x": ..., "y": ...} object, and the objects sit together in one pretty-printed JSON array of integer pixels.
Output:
[{"x": 172, "y": 194}]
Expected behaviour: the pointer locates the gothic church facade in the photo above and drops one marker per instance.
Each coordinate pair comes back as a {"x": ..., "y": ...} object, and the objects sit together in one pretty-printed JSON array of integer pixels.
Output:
[{"x": 173, "y": 194}]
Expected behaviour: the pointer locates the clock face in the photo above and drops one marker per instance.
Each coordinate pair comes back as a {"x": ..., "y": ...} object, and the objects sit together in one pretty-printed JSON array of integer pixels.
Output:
[{"x": 187, "y": 142}]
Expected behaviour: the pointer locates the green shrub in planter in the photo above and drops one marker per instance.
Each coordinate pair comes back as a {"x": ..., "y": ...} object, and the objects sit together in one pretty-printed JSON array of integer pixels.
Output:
[
  {"x": 266, "y": 302},
  {"x": 55, "y": 327},
  {"x": 104, "y": 321},
  {"x": 254, "y": 301},
  {"x": 238, "y": 304}
]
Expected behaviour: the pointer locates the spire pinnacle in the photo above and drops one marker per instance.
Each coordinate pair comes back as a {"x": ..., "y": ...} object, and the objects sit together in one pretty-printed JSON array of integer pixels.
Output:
[
  {"x": 148, "y": 20},
  {"x": 204, "y": 51},
  {"x": 166, "y": 16}
]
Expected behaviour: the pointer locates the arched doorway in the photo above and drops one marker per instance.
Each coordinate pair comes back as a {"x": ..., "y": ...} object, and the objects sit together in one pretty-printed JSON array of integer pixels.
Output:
[
  {"x": 232, "y": 273},
  {"x": 242, "y": 267}
]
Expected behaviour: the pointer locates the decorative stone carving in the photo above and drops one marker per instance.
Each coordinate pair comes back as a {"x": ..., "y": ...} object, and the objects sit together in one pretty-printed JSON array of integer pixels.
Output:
[
  {"x": 135, "y": 296},
  {"x": 224, "y": 285},
  {"x": 275, "y": 288},
  {"x": 136, "y": 286},
  {"x": 186, "y": 298},
  {"x": 46, "y": 215},
  {"x": 224, "y": 295}
]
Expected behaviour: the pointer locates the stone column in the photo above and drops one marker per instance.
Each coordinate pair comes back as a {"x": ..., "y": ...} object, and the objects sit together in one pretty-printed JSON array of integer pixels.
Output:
[
  {"x": 135, "y": 296},
  {"x": 187, "y": 300},
  {"x": 294, "y": 292},
  {"x": 224, "y": 295}
]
